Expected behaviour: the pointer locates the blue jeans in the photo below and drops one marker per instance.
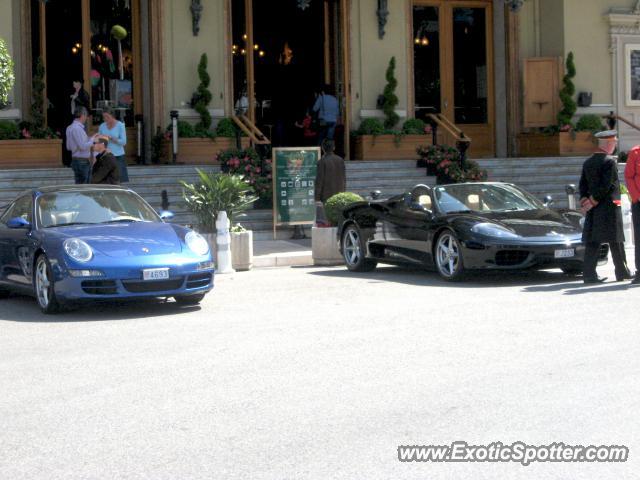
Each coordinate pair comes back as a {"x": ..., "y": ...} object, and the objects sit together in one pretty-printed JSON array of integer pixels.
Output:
[
  {"x": 122, "y": 168},
  {"x": 326, "y": 131},
  {"x": 81, "y": 170}
]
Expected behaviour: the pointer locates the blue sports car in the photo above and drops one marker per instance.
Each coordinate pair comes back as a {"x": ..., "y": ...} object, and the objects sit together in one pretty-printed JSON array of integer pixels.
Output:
[{"x": 95, "y": 242}]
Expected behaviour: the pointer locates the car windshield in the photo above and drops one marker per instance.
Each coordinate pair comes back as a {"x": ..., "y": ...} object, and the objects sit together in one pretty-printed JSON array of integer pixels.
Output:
[
  {"x": 92, "y": 207},
  {"x": 479, "y": 197}
]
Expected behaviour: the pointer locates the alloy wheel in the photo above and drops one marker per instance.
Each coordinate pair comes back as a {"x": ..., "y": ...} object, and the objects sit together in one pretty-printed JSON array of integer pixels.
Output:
[
  {"x": 351, "y": 247},
  {"x": 448, "y": 255},
  {"x": 43, "y": 283}
]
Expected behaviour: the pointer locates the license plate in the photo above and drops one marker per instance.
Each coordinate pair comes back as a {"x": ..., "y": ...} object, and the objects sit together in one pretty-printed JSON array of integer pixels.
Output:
[
  {"x": 155, "y": 274},
  {"x": 566, "y": 253}
]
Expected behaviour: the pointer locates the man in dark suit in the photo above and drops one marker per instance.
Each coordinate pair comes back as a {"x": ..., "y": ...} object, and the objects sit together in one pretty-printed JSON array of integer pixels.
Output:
[
  {"x": 331, "y": 178},
  {"x": 600, "y": 200},
  {"x": 105, "y": 169}
]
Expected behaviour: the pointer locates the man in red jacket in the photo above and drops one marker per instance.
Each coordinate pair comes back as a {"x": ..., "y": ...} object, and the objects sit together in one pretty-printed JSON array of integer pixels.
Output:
[{"x": 632, "y": 178}]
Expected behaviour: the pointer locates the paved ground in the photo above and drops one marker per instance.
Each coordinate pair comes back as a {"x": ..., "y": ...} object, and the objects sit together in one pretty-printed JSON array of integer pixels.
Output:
[{"x": 316, "y": 373}]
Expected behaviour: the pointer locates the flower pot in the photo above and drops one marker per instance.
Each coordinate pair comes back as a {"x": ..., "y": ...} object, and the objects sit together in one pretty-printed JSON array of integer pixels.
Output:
[
  {"x": 242, "y": 250},
  {"x": 31, "y": 153},
  {"x": 324, "y": 246},
  {"x": 388, "y": 147},
  {"x": 201, "y": 151}
]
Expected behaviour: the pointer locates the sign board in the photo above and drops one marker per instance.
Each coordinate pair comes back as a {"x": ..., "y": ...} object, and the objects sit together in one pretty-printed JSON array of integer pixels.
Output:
[{"x": 294, "y": 176}]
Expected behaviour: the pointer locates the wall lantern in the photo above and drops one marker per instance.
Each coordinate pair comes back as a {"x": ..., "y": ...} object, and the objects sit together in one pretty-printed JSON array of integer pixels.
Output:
[
  {"x": 383, "y": 14},
  {"x": 514, "y": 5}
]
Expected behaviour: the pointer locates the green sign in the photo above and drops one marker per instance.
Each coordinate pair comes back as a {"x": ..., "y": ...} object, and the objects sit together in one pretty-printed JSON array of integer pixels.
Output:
[{"x": 294, "y": 178}]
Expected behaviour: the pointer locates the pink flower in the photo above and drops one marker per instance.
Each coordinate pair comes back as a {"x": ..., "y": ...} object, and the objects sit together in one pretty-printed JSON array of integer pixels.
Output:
[
  {"x": 258, "y": 170},
  {"x": 25, "y": 133},
  {"x": 247, "y": 168}
]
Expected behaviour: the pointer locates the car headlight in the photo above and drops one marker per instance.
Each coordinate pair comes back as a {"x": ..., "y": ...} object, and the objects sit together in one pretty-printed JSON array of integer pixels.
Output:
[
  {"x": 197, "y": 243},
  {"x": 78, "y": 250},
  {"x": 492, "y": 230}
]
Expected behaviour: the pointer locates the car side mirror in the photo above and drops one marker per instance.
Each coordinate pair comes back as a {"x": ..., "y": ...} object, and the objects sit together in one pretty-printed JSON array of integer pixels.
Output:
[
  {"x": 18, "y": 222},
  {"x": 166, "y": 215},
  {"x": 548, "y": 201}
]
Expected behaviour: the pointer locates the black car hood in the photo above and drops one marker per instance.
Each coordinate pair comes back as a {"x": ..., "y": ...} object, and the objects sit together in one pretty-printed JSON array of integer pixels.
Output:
[{"x": 543, "y": 223}]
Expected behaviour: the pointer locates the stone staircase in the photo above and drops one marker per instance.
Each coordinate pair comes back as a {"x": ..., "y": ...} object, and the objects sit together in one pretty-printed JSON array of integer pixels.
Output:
[{"x": 540, "y": 176}]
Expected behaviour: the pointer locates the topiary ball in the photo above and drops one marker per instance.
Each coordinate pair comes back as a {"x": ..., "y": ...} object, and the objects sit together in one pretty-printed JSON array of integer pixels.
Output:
[
  {"x": 334, "y": 206},
  {"x": 118, "y": 32}
]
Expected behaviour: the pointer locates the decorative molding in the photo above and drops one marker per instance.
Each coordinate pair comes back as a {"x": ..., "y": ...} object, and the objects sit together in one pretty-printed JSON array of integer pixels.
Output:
[
  {"x": 364, "y": 113},
  {"x": 185, "y": 113},
  {"x": 10, "y": 114},
  {"x": 196, "y": 15},
  {"x": 383, "y": 15}
]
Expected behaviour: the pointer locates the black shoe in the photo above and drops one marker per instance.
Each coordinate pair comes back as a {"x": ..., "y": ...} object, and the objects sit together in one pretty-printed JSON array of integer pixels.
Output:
[
  {"x": 626, "y": 276},
  {"x": 636, "y": 280},
  {"x": 593, "y": 280}
]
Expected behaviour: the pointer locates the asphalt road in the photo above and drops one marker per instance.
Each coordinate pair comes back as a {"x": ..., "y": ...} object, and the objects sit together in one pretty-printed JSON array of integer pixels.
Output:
[{"x": 317, "y": 373}]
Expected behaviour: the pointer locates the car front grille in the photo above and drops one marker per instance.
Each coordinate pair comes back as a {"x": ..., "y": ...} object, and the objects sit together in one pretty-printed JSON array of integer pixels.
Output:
[
  {"x": 137, "y": 286},
  {"x": 199, "y": 280},
  {"x": 99, "y": 287},
  {"x": 511, "y": 258}
]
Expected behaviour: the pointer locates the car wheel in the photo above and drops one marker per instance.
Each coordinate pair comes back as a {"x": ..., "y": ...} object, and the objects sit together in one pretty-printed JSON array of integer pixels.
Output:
[
  {"x": 354, "y": 251},
  {"x": 43, "y": 284},
  {"x": 189, "y": 299},
  {"x": 448, "y": 256}
]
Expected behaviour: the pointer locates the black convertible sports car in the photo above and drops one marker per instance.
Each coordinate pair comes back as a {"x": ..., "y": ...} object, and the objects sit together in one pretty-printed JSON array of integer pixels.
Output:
[{"x": 460, "y": 227}]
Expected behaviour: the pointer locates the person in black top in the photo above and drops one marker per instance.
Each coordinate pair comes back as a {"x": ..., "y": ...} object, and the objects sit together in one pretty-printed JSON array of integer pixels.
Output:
[
  {"x": 105, "y": 169},
  {"x": 600, "y": 200},
  {"x": 80, "y": 97}
]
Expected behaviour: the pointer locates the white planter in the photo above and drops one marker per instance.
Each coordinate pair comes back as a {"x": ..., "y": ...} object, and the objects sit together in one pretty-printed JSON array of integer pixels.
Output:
[
  {"x": 324, "y": 246},
  {"x": 242, "y": 250}
]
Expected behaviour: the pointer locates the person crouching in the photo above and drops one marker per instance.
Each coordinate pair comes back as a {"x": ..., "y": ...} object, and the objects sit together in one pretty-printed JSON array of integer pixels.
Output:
[{"x": 105, "y": 168}]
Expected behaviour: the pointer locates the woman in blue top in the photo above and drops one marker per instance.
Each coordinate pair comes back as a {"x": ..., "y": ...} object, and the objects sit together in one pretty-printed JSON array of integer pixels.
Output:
[{"x": 115, "y": 132}]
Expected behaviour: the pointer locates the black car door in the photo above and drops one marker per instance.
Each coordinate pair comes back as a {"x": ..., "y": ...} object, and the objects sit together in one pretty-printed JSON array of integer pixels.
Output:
[
  {"x": 406, "y": 228},
  {"x": 17, "y": 244}
]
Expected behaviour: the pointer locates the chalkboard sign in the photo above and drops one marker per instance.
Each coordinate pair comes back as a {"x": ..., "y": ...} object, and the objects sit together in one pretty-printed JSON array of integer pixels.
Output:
[{"x": 294, "y": 177}]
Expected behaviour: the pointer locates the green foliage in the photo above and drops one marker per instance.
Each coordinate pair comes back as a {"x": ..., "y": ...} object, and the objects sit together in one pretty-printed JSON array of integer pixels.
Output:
[
  {"x": 446, "y": 162},
  {"x": 371, "y": 126},
  {"x": 157, "y": 145},
  {"x": 569, "y": 105},
  {"x": 390, "y": 99},
  {"x": 589, "y": 123},
  {"x": 9, "y": 130},
  {"x": 334, "y": 206},
  {"x": 38, "y": 86},
  {"x": 214, "y": 193},
  {"x": 414, "y": 126},
  {"x": 203, "y": 96},
  {"x": 187, "y": 130},
  {"x": 7, "y": 77},
  {"x": 256, "y": 171},
  {"x": 226, "y": 128}
]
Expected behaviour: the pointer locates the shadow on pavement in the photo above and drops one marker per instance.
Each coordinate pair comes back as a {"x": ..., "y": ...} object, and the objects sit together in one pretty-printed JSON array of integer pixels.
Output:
[
  {"x": 487, "y": 279},
  {"x": 25, "y": 309}
]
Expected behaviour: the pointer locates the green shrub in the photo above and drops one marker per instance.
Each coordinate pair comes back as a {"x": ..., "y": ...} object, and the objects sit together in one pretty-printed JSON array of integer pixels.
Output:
[
  {"x": 589, "y": 123},
  {"x": 390, "y": 98},
  {"x": 569, "y": 105},
  {"x": 414, "y": 126},
  {"x": 226, "y": 128},
  {"x": 9, "y": 130},
  {"x": 334, "y": 206},
  {"x": 185, "y": 129},
  {"x": 214, "y": 193},
  {"x": 7, "y": 77},
  {"x": 203, "y": 97},
  {"x": 371, "y": 126}
]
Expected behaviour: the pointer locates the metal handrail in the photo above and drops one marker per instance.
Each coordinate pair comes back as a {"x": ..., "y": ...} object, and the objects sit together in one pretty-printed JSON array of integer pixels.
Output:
[
  {"x": 614, "y": 117},
  {"x": 251, "y": 130},
  {"x": 452, "y": 129}
]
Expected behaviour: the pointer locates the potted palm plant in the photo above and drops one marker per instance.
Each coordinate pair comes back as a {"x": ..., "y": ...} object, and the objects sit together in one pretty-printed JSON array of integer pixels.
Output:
[
  {"x": 324, "y": 240},
  {"x": 217, "y": 192}
]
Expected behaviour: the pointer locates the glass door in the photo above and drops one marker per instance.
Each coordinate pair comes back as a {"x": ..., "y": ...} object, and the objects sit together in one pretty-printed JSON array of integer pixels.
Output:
[{"x": 452, "y": 67}]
